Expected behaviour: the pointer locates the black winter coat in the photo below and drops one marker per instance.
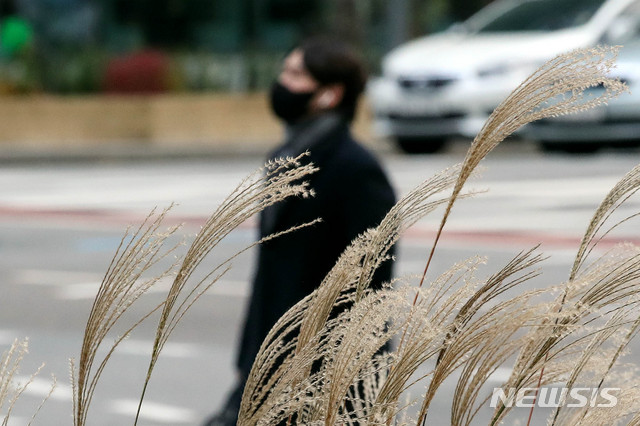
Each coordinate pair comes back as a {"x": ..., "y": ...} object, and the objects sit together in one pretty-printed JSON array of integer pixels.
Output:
[{"x": 352, "y": 194}]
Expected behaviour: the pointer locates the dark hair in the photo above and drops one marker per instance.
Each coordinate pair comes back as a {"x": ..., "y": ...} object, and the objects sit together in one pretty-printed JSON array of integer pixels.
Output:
[{"x": 332, "y": 61}]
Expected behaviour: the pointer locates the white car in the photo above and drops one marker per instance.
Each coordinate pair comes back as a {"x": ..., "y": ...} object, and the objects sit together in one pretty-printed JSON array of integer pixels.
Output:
[
  {"x": 616, "y": 123},
  {"x": 447, "y": 84}
]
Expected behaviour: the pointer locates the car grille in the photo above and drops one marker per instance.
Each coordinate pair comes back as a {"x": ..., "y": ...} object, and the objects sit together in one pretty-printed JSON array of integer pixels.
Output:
[
  {"x": 423, "y": 83},
  {"x": 424, "y": 117}
]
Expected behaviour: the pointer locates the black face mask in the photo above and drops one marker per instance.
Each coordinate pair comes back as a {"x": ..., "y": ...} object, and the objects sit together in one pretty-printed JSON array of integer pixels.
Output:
[{"x": 289, "y": 106}]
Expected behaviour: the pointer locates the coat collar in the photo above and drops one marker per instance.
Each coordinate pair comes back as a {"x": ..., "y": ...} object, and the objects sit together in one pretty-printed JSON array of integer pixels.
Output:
[
  {"x": 321, "y": 137},
  {"x": 318, "y": 135}
]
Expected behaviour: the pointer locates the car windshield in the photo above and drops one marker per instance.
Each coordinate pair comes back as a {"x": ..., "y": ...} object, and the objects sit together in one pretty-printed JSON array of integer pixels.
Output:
[{"x": 543, "y": 15}]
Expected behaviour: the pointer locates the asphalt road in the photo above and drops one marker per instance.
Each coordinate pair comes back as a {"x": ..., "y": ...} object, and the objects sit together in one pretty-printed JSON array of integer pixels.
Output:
[{"x": 60, "y": 224}]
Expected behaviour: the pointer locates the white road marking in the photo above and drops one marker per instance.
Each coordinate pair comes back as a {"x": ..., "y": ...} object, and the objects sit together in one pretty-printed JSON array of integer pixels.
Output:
[
  {"x": 54, "y": 277},
  {"x": 576, "y": 187},
  {"x": 231, "y": 288},
  {"x": 153, "y": 411},
  {"x": 82, "y": 291},
  {"x": 40, "y": 387},
  {"x": 502, "y": 374},
  {"x": 7, "y": 337},
  {"x": 143, "y": 194},
  {"x": 171, "y": 349},
  {"x": 73, "y": 285},
  {"x": 85, "y": 291}
]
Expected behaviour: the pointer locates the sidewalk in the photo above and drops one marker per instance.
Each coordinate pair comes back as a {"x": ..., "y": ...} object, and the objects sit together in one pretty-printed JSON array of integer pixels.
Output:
[{"x": 44, "y": 128}]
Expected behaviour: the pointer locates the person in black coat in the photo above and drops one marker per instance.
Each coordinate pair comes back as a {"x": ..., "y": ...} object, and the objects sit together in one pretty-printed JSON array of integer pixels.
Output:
[{"x": 316, "y": 96}]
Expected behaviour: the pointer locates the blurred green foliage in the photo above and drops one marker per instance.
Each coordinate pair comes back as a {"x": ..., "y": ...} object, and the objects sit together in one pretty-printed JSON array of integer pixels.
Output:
[{"x": 69, "y": 46}]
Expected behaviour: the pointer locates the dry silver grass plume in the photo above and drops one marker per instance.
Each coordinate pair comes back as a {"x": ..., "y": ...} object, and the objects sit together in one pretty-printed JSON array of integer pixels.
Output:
[
  {"x": 603, "y": 292},
  {"x": 122, "y": 285},
  {"x": 279, "y": 179},
  {"x": 620, "y": 193},
  {"x": 556, "y": 88},
  {"x": 286, "y": 363},
  {"x": 315, "y": 368},
  {"x": 10, "y": 390},
  {"x": 125, "y": 281}
]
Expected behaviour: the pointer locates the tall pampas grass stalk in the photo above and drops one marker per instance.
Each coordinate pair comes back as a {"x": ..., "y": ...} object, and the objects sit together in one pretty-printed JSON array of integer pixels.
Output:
[
  {"x": 556, "y": 88},
  {"x": 125, "y": 281},
  {"x": 278, "y": 180},
  {"x": 596, "y": 231},
  {"x": 122, "y": 285},
  {"x": 10, "y": 390},
  {"x": 345, "y": 284}
]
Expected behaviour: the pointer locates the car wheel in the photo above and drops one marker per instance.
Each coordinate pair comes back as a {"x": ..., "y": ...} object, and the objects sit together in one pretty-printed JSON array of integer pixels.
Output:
[
  {"x": 570, "y": 147},
  {"x": 418, "y": 145}
]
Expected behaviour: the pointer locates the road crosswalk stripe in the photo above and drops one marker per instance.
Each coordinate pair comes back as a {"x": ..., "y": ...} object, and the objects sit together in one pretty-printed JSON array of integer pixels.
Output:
[
  {"x": 153, "y": 411},
  {"x": 40, "y": 387},
  {"x": 74, "y": 285},
  {"x": 7, "y": 337}
]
